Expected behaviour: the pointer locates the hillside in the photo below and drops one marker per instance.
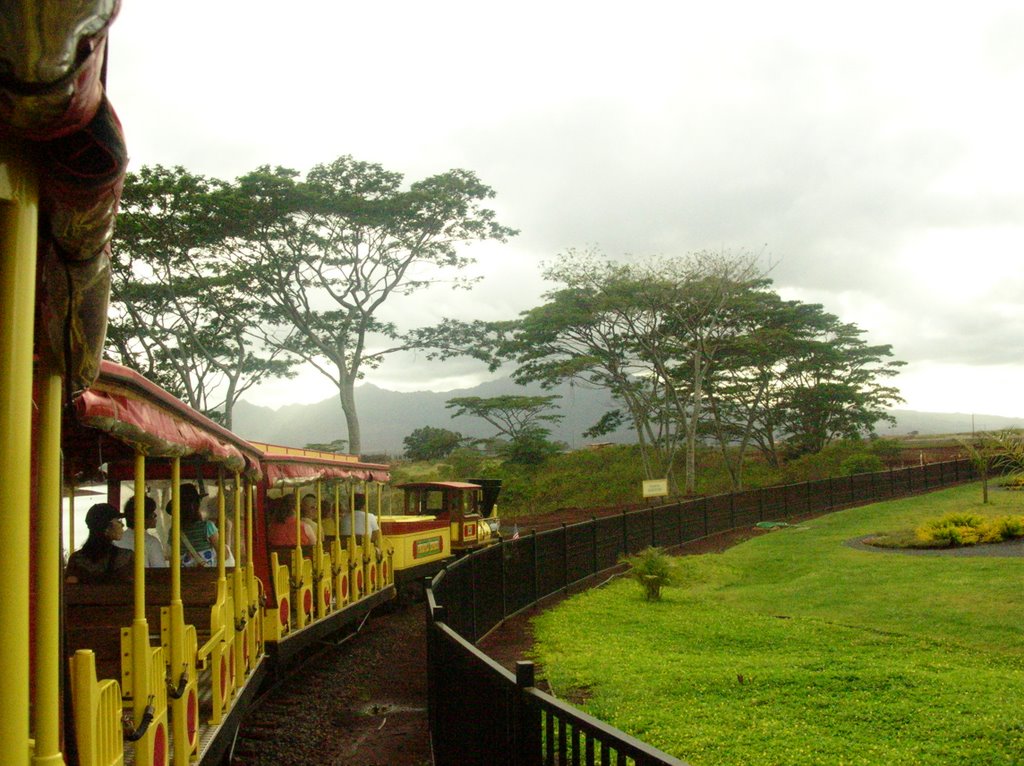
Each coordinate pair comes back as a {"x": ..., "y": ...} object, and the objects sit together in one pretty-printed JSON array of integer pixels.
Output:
[{"x": 387, "y": 417}]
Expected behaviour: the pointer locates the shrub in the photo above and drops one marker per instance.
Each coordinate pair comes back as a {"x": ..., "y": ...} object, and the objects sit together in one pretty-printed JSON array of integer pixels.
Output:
[
  {"x": 652, "y": 570},
  {"x": 1003, "y": 528},
  {"x": 861, "y": 462},
  {"x": 965, "y": 528}
]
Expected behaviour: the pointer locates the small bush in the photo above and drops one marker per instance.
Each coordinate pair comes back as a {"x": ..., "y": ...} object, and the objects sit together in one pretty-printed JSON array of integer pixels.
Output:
[
  {"x": 652, "y": 570},
  {"x": 861, "y": 462},
  {"x": 969, "y": 529},
  {"x": 1003, "y": 528}
]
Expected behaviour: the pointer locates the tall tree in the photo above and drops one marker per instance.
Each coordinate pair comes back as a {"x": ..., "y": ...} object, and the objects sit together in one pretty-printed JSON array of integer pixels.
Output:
[
  {"x": 430, "y": 443},
  {"x": 512, "y": 415},
  {"x": 585, "y": 333},
  {"x": 179, "y": 314},
  {"x": 326, "y": 253}
]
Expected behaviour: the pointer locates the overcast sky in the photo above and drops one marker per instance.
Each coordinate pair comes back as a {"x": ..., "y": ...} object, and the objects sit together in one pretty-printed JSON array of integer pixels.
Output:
[{"x": 872, "y": 151}]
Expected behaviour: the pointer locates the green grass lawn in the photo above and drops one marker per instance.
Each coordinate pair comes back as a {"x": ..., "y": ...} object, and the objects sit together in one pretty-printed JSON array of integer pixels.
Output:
[{"x": 796, "y": 649}]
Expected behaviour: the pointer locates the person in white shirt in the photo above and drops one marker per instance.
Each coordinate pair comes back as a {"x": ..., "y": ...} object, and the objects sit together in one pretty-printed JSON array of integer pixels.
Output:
[
  {"x": 154, "y": 549},
  {"x": 360, "y": 519}
]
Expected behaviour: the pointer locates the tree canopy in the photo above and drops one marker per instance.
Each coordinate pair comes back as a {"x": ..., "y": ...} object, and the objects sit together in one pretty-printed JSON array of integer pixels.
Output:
[
  {"x": 180, "y": 313},
  {"x": 430, "y": 443},
  {"x": 327, "y": 252}
]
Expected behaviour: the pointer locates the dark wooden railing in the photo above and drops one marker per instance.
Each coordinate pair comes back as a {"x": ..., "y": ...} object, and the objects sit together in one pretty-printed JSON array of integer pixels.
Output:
[{"x": 481, "y": 713}]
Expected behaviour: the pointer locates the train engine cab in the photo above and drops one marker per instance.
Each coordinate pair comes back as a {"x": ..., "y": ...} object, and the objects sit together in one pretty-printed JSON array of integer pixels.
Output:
[{"x": 456, "y": 502}]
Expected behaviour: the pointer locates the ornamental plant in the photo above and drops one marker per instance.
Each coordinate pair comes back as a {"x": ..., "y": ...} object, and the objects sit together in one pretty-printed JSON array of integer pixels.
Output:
[{"x": 652, "y": 570}]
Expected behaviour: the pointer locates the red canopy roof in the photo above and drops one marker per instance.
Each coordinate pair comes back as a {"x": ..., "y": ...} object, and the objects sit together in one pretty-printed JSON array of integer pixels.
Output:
[
  {"x": 292, "y": 466},
  {"x": 140, "y": 413}
]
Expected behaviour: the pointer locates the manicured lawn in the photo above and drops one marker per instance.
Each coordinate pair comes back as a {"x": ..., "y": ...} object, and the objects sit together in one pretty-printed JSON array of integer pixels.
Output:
[{"x": 796, "y": 649}]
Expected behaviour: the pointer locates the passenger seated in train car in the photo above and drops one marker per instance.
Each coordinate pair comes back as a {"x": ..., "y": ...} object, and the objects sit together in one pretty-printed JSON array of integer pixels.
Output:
[
  {"x": 309, "y": 514},
  {"x": 210, "y": 510},
  {"x": 99, "y": 561},
  {"x": 281, "y": 529},
  {"x": 155, "y": 556},
  {"x": 198, "y": 535},
  {"x": 360, "y": 519}
]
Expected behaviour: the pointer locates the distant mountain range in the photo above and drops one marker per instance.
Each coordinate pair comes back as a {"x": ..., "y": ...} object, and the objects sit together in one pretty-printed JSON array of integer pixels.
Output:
[{"x": 387, "y": 417}]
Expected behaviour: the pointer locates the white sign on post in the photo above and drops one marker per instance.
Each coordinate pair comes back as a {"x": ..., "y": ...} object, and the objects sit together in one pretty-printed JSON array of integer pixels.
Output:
[{"x": 656, "y": 488}]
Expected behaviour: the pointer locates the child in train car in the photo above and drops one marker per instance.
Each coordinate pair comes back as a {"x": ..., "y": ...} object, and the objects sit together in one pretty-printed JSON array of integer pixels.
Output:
[
  {"x": 281, "y": 529},
  {"x": 99, "y": 560},
  {"x": 198, "y": 535},
  {"x": 154, "y": 550}
]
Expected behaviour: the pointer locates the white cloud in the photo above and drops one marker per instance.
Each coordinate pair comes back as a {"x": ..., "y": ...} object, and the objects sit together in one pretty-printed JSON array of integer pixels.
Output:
[{"x": 873, "y": 150}]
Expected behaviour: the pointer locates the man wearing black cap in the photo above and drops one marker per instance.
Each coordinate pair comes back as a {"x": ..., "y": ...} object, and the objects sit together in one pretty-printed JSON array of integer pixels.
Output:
[{"x": 99, "y": 560}]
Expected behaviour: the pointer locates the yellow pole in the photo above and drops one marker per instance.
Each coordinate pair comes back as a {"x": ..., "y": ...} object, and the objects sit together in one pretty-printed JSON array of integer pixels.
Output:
[
  {"x": 319, "y": 515},
  {"x": 18, "y": 217},
  {"x": 237, "y": 522},
  {"x": 221, "y": 542},
  {"x": 140, "y": 659},
  {"x": 337, "y": 513},
  {"x": 175, "y": 552},
  {"x": 47, "y": 710},
  {"x": 140, "y": 536}
]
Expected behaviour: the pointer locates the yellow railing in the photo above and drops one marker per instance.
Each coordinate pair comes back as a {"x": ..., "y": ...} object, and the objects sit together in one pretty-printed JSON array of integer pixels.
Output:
[{"x": 97, "y": 713}]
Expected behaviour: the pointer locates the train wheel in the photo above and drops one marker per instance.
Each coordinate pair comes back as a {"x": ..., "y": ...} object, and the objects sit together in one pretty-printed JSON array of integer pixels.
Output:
[
  {"x": 344, "y": 587},
  {"x": 307, "y": 601}
]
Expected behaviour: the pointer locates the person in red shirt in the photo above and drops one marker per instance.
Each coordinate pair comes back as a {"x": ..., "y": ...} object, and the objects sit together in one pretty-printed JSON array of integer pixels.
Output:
[{"x": 281, "y": 530}]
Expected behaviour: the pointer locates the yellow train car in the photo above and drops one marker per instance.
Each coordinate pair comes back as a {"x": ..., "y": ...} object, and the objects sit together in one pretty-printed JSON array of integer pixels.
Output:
[{"x": 460, "y": 504}]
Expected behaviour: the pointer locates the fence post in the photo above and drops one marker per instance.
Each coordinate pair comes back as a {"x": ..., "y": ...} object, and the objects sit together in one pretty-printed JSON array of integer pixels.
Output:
[
  {"x": 565, "y": 557},
  {"x": 504, "y": 578},
  {"x": 472, "y": 594},
  {"x": 536, "y": 573},
  {"x": 593, "y": 536},
  {"x": 625, "y": 536},
  {"x": 679, "y": 523},
  {"x": 892, "y": 482},
  {"x": 526, "y": 729},
  {"x": 760, "y": 504},
  {"x": 732, "y": 510},
  {"x": 654, "y": 542},
  {"x": 704, "y": 502},
  {"x": 942, "y": 474},
  {"x": 434, "y": 696}
]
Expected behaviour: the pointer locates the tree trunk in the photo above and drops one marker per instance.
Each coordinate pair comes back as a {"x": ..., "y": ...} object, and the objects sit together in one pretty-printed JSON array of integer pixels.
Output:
[
  {"x": 347, "y": 394},
  {"x": 691, "y": 430}
]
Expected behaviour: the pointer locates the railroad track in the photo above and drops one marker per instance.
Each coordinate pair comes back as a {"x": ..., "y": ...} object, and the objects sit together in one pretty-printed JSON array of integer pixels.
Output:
[{"x": 362, "y": 702}]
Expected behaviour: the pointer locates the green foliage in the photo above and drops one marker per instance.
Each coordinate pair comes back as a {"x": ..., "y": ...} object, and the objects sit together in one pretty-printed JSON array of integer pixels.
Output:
[
  {"x": 430, "y": 443},
  {"x": 180, "y": 312},
  {"x": 529, "y": 448},
  {"x": 965, "y": 528},
  {"x": 337, "y": 445},
  {"x": 512, "y": 415},
  {"x": 793, "y": 648},
  {"x": 324, "y": 254},
  {"x": 652, "y": 570},
  {"x": 861, "y": 462},
  {"x": 464, "y": 462}
]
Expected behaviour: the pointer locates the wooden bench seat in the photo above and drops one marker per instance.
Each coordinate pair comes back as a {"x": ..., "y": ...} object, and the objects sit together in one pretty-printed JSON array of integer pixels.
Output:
[{"x": 95, "y": 614}]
